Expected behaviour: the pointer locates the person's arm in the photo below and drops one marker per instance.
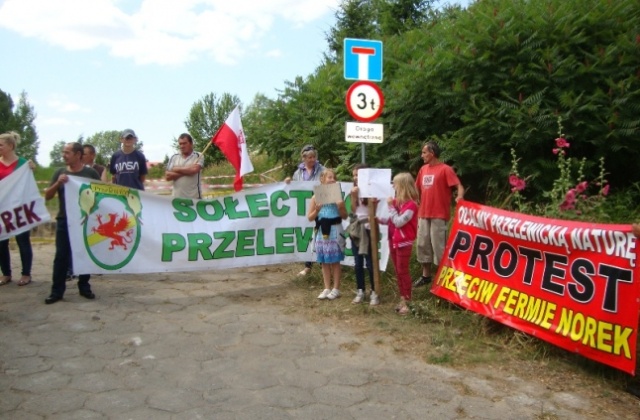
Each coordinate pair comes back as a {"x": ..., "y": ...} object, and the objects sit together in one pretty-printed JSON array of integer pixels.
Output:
[
  {"x": 187, "y": 170},
  {"x": 143, "y": 167},
  {"x": 460, "y": 195},
  {"x": 53, "y": 188},
  {"x": 354, "y": 198},
  {"x": 401, "y": 218},
  {"x": 314, "y": 209},
  {"x": 342, "y": 210},
  {"x": 103, "y": 177}
]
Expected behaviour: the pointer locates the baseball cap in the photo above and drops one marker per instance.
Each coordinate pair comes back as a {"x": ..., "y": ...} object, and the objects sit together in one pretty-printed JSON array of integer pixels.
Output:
[{"x": 128, "y": 132}]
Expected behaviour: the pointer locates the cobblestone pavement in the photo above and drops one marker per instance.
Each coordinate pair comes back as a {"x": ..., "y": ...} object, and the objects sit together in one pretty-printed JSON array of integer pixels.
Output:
[{"x": 215, "y": 345}]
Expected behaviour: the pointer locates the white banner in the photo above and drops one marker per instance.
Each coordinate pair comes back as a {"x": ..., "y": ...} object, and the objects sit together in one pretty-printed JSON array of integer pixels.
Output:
[
  {"x": 21, "y": 205},
  {"x": 115, "y": 229}
]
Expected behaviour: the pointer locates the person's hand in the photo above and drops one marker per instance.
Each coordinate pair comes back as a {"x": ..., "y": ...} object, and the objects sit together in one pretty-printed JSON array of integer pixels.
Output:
[
  {"x": 390, "y": 201},
  {"x": 63, "y": 178},
  {"x": 635, "y": 228},
  {"x": 32, "y": 165},
  {"x": 354, "y": 191},
  {"x": 287, "y": 180}
]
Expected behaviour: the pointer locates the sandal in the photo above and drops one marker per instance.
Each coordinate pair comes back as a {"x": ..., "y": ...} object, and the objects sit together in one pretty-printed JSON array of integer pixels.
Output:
[
  {"x": 24, "y": 280},
  {"x": 403, "y": 311},
  {"x": 5, "y": 280}
]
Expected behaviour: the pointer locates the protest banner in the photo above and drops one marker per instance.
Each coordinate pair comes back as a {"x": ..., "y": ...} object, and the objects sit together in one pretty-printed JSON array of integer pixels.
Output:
[
  {"x": 570, "y": 283},
  {"x": 21, "y": 206},
  {"x": 115, "y": 229}
]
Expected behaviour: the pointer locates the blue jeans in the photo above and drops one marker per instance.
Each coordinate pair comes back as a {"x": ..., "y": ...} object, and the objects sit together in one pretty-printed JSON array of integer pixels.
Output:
[
  {"x": 360, "y": 261},
  {"x": 26, "y": 254},
  {"x": 62, "y": 262}
]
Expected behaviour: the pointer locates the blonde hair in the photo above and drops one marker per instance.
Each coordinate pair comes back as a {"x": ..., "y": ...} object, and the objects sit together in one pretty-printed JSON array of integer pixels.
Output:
[
  {"x": 405, "y": 187},
  {"x": 324, "y": 173},
  {"x": 11, "y": 138}
]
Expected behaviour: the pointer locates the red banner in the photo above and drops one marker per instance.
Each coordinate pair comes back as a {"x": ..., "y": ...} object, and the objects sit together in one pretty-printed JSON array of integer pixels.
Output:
[{"x": 572, "y": 284}]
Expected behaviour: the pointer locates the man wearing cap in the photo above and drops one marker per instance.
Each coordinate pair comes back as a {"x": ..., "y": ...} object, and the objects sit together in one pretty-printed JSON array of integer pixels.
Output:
[
  {"x": 184, "y": 169},
  {"x": 128, "y": 166}
]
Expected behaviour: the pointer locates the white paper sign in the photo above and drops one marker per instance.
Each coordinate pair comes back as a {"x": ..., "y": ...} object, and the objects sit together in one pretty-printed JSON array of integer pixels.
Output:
[
  {"x": 327, "y": 193},
  {"x": 375, "y": 183}
]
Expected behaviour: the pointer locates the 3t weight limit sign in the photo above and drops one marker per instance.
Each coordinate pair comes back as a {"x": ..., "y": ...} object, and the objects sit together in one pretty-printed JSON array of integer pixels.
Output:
[{"x": 365, "y": 101}]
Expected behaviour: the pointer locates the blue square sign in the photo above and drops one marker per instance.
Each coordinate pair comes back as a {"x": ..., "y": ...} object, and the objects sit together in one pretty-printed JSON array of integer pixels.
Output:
[{"x": 362, "y": 59}]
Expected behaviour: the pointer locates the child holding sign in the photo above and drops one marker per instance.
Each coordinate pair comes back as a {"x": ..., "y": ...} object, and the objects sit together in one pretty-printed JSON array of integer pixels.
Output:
[
  {"x": 403, "y": 226},
  {"x": 329, "y": 240}
]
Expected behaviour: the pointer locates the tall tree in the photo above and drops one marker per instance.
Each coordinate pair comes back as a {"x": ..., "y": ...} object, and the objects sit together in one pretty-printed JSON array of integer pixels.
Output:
[
  {"x": 55, "y": 155},
  {"x": 24, "y": 117},
  {"x": 205, "y": 118},
  {"x": 398, "y": 16},
  {"x": 354, "y": 19},
  {"x": 21, "y": 120},
  {"x": 106, "y": 144},
  {"x": 6, "y": 112}
]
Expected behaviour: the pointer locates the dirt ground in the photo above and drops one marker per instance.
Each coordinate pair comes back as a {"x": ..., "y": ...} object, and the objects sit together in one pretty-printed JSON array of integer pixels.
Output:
[{"x": 605, "y": 392}]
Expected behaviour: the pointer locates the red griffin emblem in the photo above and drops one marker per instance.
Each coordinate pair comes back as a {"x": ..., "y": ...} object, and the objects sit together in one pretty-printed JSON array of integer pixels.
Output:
[{"x": 116, "y": 229}]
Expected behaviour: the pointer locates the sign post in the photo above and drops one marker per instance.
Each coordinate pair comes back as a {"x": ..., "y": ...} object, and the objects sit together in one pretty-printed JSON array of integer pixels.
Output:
[{"x": 363, "y": 62}]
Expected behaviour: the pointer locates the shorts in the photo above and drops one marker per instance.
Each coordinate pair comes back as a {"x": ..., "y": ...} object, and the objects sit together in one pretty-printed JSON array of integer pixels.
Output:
[{"x": 431, "y": 239}]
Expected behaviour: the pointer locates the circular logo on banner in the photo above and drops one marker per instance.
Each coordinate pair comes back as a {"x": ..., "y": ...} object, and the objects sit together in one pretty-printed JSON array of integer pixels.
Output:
[
  {"x": 365, "y": 101},
  {"x": 111, "y": 224}
]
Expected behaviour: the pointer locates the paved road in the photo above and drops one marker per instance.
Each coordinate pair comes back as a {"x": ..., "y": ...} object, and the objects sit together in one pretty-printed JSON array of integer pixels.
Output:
[{"x": 219, "y": 346}]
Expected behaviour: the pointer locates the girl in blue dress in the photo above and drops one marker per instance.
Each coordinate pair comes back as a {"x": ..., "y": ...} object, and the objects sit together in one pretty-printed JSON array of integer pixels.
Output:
[{"x": 329, "y": 238}]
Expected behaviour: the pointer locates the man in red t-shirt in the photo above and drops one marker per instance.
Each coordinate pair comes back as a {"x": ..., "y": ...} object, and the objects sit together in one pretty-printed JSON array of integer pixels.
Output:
[{"x": 435, "y": 181}]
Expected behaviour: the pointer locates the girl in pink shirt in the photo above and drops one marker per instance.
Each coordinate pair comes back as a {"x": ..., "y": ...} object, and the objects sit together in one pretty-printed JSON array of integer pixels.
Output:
[{"x": 403, "y": 226}]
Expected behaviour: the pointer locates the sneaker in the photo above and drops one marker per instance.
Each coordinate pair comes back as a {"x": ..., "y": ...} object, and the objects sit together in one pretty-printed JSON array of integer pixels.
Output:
[
  {"x": 324, "y": 294},
  {"x": 404, "y": 310},
  {"x": 373, "y": 299},
  {"x": 422, "y": 281},
  {"x": 335, "y": 293},
  {"x": 359, "y": 297}
]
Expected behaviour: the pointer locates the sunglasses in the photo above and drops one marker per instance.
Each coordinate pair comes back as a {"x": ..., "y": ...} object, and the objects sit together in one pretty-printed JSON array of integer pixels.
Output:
[{"x": 308, "y": 149}]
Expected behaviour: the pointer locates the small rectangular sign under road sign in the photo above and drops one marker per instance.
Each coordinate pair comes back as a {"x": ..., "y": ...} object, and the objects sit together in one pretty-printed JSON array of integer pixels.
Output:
[{"x": 364, "y": 132}]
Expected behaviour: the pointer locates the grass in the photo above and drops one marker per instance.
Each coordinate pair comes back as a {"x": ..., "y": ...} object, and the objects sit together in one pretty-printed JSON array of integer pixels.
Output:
[
  {"x": 436, "y": 330},
  {"x": 441, "y": 333}
]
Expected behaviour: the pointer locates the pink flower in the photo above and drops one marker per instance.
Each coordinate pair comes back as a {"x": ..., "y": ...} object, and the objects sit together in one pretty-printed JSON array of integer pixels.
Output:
[
  {"x": 570, "y": 197},
  {"x": 566, "y": 206},
  {"x": 581, "y": 187},
  {"x": 517, "y": 183},
  {"x": 555, "y": 151},
  {"x": 605, "y": 190},
  {"x": 561, "y": 142}
]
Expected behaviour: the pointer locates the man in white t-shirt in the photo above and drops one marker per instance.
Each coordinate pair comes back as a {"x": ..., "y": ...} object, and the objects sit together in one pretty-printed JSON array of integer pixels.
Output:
[{"x": 184, "y": 169}]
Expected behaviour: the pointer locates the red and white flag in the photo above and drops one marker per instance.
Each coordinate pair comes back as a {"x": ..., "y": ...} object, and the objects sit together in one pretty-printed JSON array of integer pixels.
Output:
[{"x": 231, "y": 141}]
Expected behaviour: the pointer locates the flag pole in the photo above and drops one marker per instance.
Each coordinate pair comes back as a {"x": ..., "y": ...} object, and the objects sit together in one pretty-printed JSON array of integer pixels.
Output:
[{"x": 205, "y": 149}]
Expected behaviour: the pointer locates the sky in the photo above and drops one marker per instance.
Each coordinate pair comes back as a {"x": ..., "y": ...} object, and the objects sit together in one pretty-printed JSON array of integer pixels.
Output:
[{"x": 97, "y": 65}]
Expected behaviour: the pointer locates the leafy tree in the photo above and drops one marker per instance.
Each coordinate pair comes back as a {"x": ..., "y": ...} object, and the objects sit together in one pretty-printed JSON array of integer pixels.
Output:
[
  {"x": 21, "y": 121},
  {"x": 354, "y": 19},
  {"x": 498, "y": 75},
  {"x": 24, "y": 117},
  {"x": 205, "y": 118},
  {"x": 55, "y": 155},
  {"x": 398, "y": 16},
  {"x": 106, "y": 144},
  {"x": 6, "y": 112}
]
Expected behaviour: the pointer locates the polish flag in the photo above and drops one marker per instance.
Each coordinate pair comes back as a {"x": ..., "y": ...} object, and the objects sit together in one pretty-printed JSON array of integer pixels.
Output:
[{"x": 230, "y": 139}]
